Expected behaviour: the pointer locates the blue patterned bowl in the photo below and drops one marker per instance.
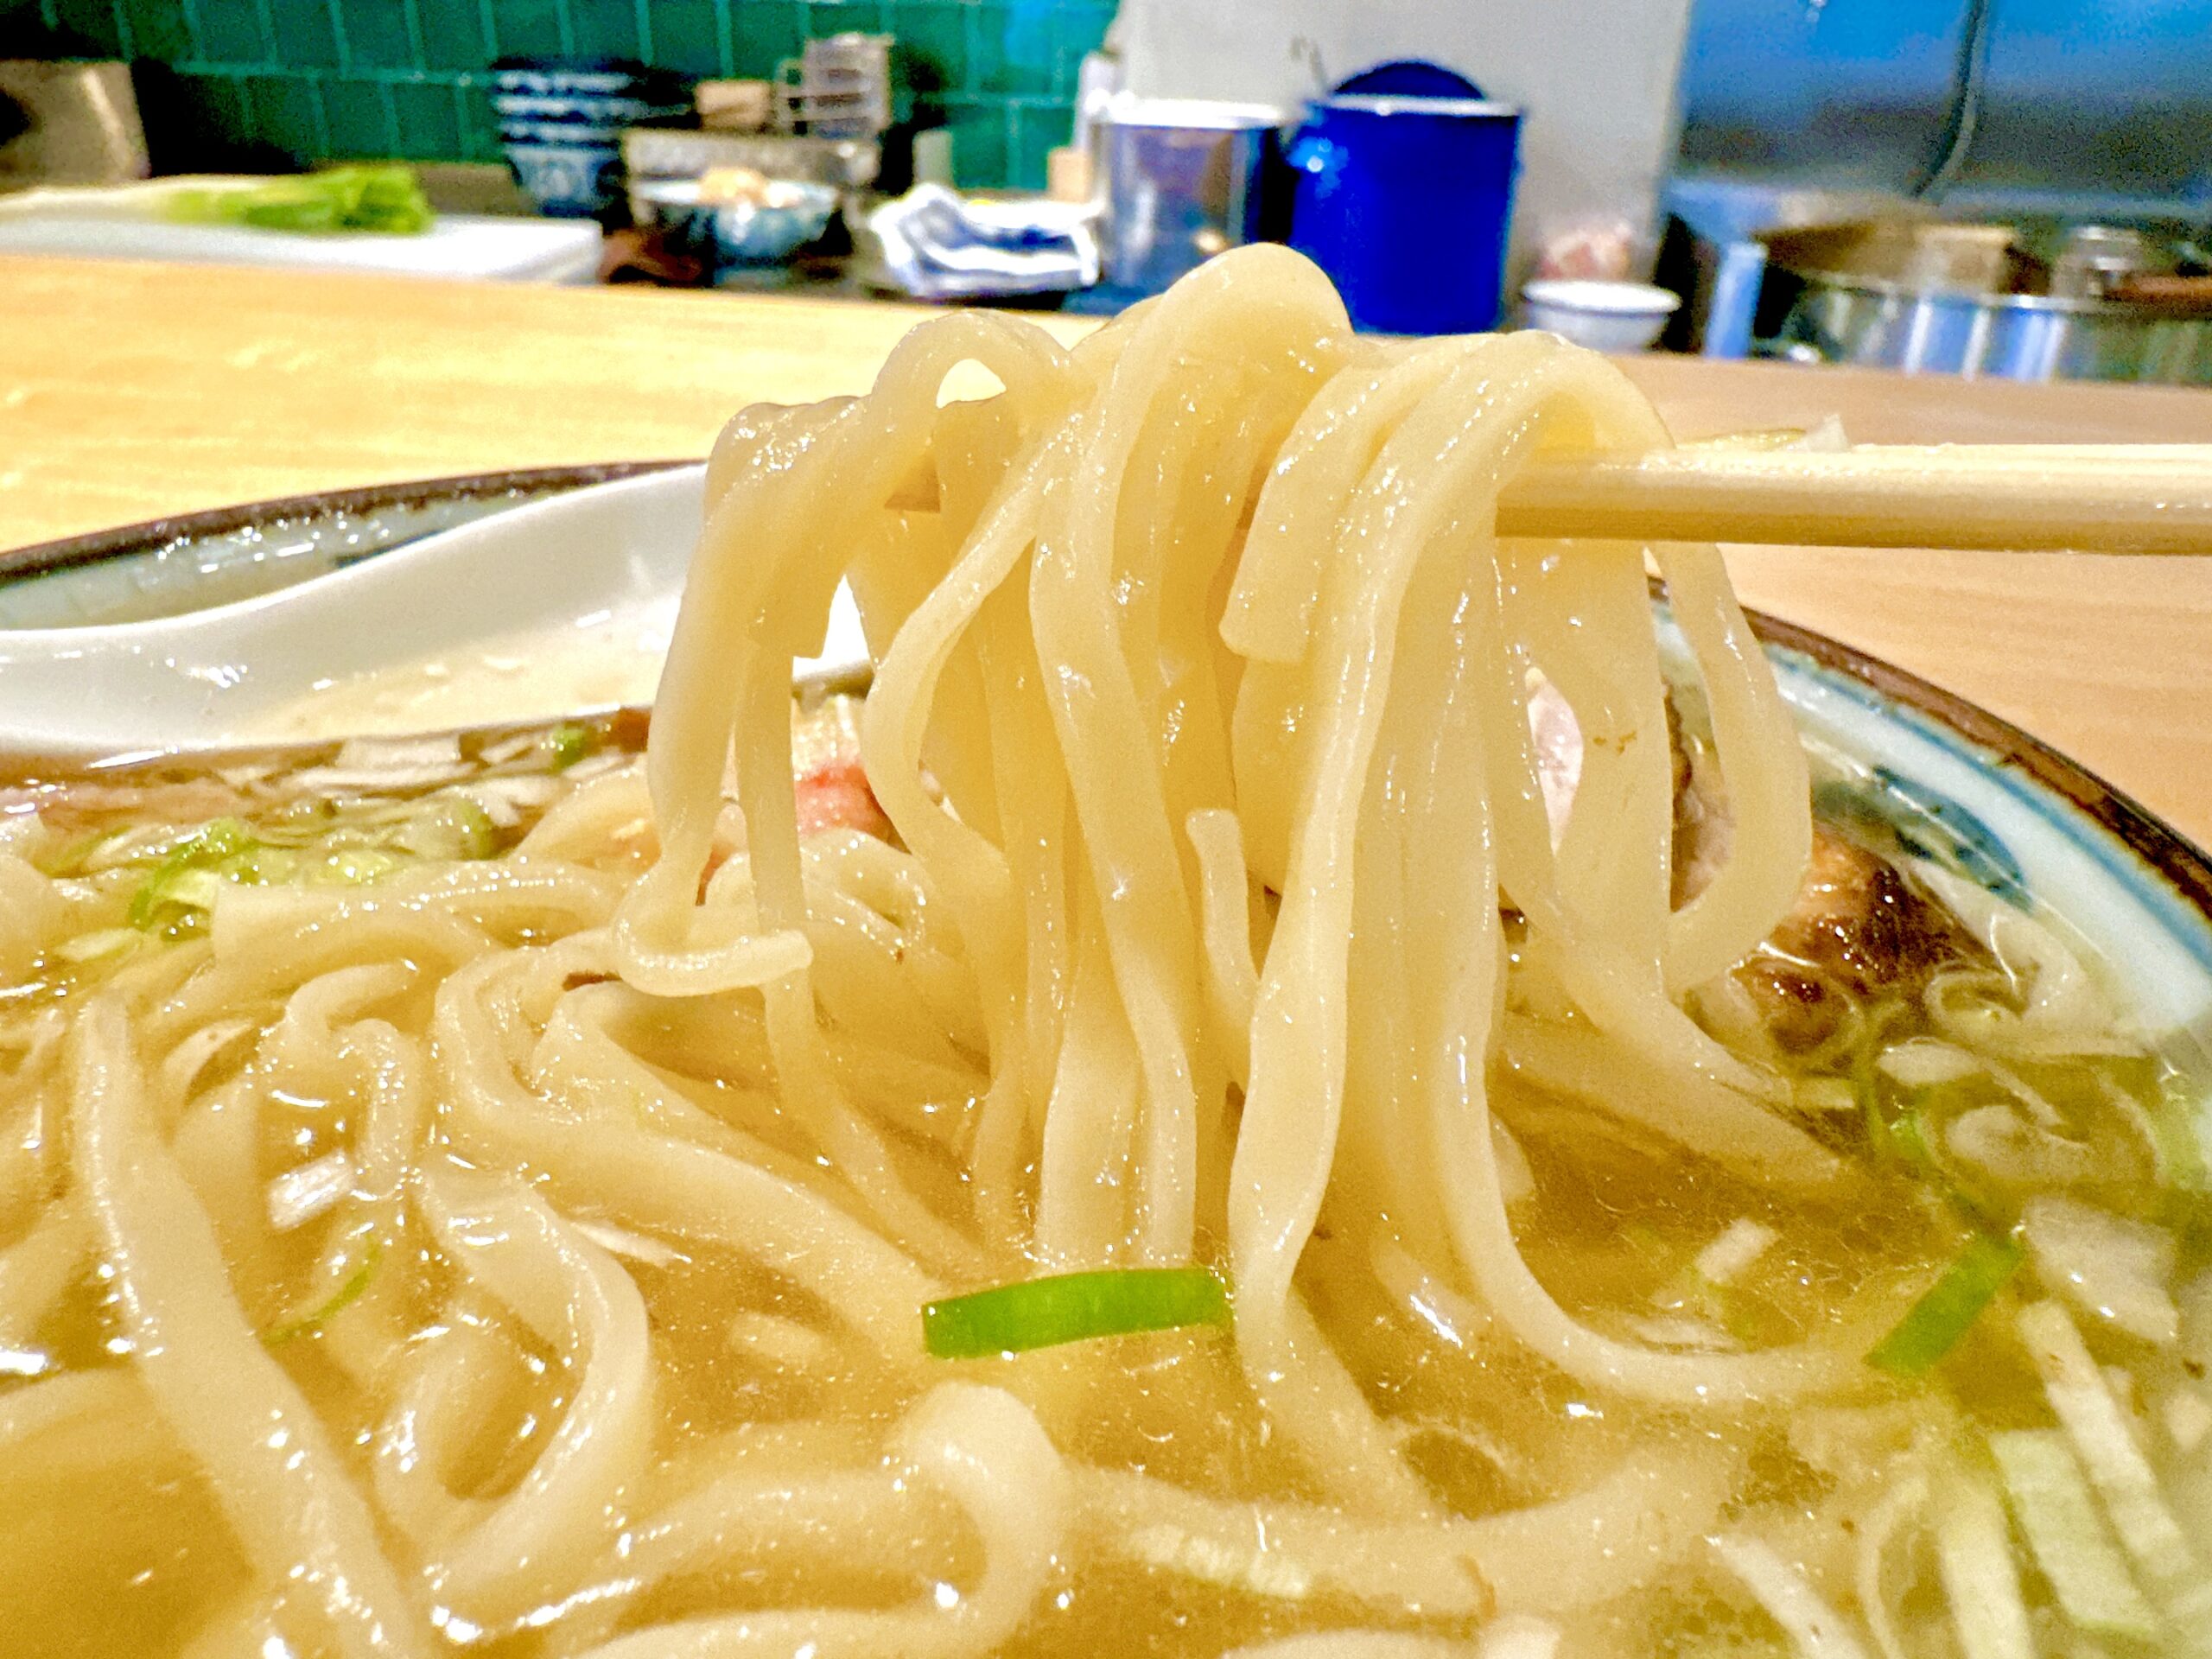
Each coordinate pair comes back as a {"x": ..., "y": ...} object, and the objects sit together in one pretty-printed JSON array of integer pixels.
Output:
[
  {"x": 589, "y": 109},
  {"x": 569, "y": 180},
  {"x": 733, "y": 232},
  {"x": 562, "y": 120}
]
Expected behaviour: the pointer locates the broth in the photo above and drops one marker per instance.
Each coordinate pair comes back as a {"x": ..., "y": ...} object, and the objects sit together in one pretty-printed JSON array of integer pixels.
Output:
[{"x": 115, "y": 1546}]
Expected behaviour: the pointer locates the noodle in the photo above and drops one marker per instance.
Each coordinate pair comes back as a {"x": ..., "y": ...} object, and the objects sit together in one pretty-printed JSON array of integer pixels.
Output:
[
  {"x": 234, "y": 1408},
  {"x": 519, "y": 1221}
]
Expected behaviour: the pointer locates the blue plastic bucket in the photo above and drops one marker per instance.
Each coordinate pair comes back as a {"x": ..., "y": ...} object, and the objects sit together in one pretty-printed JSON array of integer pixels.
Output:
[{"x": 1404, "y": 201}]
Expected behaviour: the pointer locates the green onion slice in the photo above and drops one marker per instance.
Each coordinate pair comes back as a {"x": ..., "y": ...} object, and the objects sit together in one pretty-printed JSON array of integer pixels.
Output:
[
  {"x": 1073, "y": 1308},
  {"x": 1908, "y": 1135},
  {"x": 569, "y": 744},
  {"x": 180, "y": 878},
  {"x": 1953, "y": 1303},
  {"x": 356, "y": 866},
  {"x": 347, "y": 1293},
  {"x": 447, "y": 825}
]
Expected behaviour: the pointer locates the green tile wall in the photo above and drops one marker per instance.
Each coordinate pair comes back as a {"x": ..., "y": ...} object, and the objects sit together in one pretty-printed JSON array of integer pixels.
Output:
[{"x": 248, "y": 82}]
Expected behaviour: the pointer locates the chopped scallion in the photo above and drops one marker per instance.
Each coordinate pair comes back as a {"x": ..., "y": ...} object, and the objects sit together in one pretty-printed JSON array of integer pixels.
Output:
[
  {"x": 101, "y": 942},
  {"x": 1899, "y": 1134},
  {"x": 184, "y": 878},
  {"x": 1953, "y": 1303},
  {"x": 337, "y": 1302},
  {"x": 356, "y": 866},
  {"x": 2058, "y": 1513},
  {"x": 1911, "y": 1141},
  {"x": 569, "y": 744},
  {"x": 72, "y": 859},
  {"x": 447, "y": 825},
  {"x": 1073, "y": 1308}
]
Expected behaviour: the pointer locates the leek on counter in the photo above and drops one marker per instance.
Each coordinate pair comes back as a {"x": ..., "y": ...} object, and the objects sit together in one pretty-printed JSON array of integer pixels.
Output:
[{"x": 385, "y": 197}]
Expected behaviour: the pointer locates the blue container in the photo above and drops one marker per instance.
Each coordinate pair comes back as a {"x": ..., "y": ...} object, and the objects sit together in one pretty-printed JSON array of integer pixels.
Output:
[{"x": 1404, "y": 201}]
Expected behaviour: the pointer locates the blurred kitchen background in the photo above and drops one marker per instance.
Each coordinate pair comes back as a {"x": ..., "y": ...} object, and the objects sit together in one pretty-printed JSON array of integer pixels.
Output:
[{"x": 2017, "y": 188}]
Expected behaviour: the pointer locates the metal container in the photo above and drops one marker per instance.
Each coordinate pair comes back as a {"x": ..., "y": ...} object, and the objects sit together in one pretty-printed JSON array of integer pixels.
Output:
[
  {"x": 840, "y": 87},
  {"x": 1977, "y": 300},
  {"x": 1184, "y": 179},
  {"x": 76, "y": 123},
  {"x": 2012, "y": 336},
  {"x": 2098, "y": 258}
]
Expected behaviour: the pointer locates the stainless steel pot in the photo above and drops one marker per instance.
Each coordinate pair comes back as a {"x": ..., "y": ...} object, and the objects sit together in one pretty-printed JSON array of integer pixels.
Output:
[
  {"x": 1948, "y": 299},
  {"x": 2013, "y": 336}
]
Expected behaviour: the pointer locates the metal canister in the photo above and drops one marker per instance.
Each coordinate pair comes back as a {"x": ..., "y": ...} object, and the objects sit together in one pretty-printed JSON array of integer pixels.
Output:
[
  {"x": 2096, "y": 259},
  {"x": 1183, "y": 179}
]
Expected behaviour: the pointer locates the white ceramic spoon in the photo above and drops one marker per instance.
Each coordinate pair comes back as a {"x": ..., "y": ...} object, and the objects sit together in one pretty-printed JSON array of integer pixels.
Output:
[{"x": 609, "y": 553}]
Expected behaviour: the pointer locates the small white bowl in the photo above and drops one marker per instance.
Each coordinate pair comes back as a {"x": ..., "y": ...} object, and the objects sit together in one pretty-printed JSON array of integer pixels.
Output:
[{"x": 1604, "y": 316}]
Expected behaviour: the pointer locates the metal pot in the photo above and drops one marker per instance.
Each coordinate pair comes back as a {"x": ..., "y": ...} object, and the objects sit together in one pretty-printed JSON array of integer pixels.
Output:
[
  {"x": 2013, "y": 336},
  {"x": 1949, "y": 299}
]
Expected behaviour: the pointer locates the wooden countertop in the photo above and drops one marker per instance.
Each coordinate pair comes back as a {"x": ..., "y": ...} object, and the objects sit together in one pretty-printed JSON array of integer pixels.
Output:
[{"x": 129, "y": 391}]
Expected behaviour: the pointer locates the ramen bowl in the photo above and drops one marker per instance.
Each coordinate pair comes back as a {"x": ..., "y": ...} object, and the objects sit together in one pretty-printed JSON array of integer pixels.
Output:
[
  {"x": 1956, "y": 783},
  {"x": 2000, "y": 819}
]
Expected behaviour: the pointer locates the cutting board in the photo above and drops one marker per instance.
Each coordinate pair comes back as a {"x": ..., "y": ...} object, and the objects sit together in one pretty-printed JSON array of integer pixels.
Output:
[{"x": 124, "y": 223}]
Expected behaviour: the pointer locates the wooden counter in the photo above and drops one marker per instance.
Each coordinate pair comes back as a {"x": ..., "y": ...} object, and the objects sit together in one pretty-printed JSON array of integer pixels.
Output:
[{"x": 132, "y": 391}]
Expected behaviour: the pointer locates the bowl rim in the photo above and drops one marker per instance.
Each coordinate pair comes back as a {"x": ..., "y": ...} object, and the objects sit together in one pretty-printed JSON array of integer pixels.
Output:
[
  {"x": 1817, "y": 281},
  {"x": 530, "y": 149},
  {"x": 684, "y": 193},
  {"x": 1486, "y": 109},
  {"x": 2005, "y": 749},
  {"x": 92, "y": 547},
  {"x": 2162, "y": 850},
  {"x": 1598, "y": 296}
]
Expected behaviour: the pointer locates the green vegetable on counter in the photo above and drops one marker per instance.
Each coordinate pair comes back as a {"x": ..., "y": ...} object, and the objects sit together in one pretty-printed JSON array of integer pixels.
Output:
[
  {"x": 1073, "y": 1308},
  {"x": 384, "y": 197},
  {"x": 1953, "y": 1303}
]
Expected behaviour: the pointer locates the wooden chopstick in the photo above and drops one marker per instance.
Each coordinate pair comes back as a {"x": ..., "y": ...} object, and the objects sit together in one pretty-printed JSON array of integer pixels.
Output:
[{"x": 2019, "y": 497}]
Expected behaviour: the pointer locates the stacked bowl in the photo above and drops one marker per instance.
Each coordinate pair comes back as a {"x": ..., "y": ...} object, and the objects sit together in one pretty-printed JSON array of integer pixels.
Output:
[{"x": 561, "y": 123}]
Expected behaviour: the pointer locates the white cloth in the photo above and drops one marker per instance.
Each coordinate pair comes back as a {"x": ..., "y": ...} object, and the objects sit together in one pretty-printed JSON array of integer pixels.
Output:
[{"x": 938, "y": 245}]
